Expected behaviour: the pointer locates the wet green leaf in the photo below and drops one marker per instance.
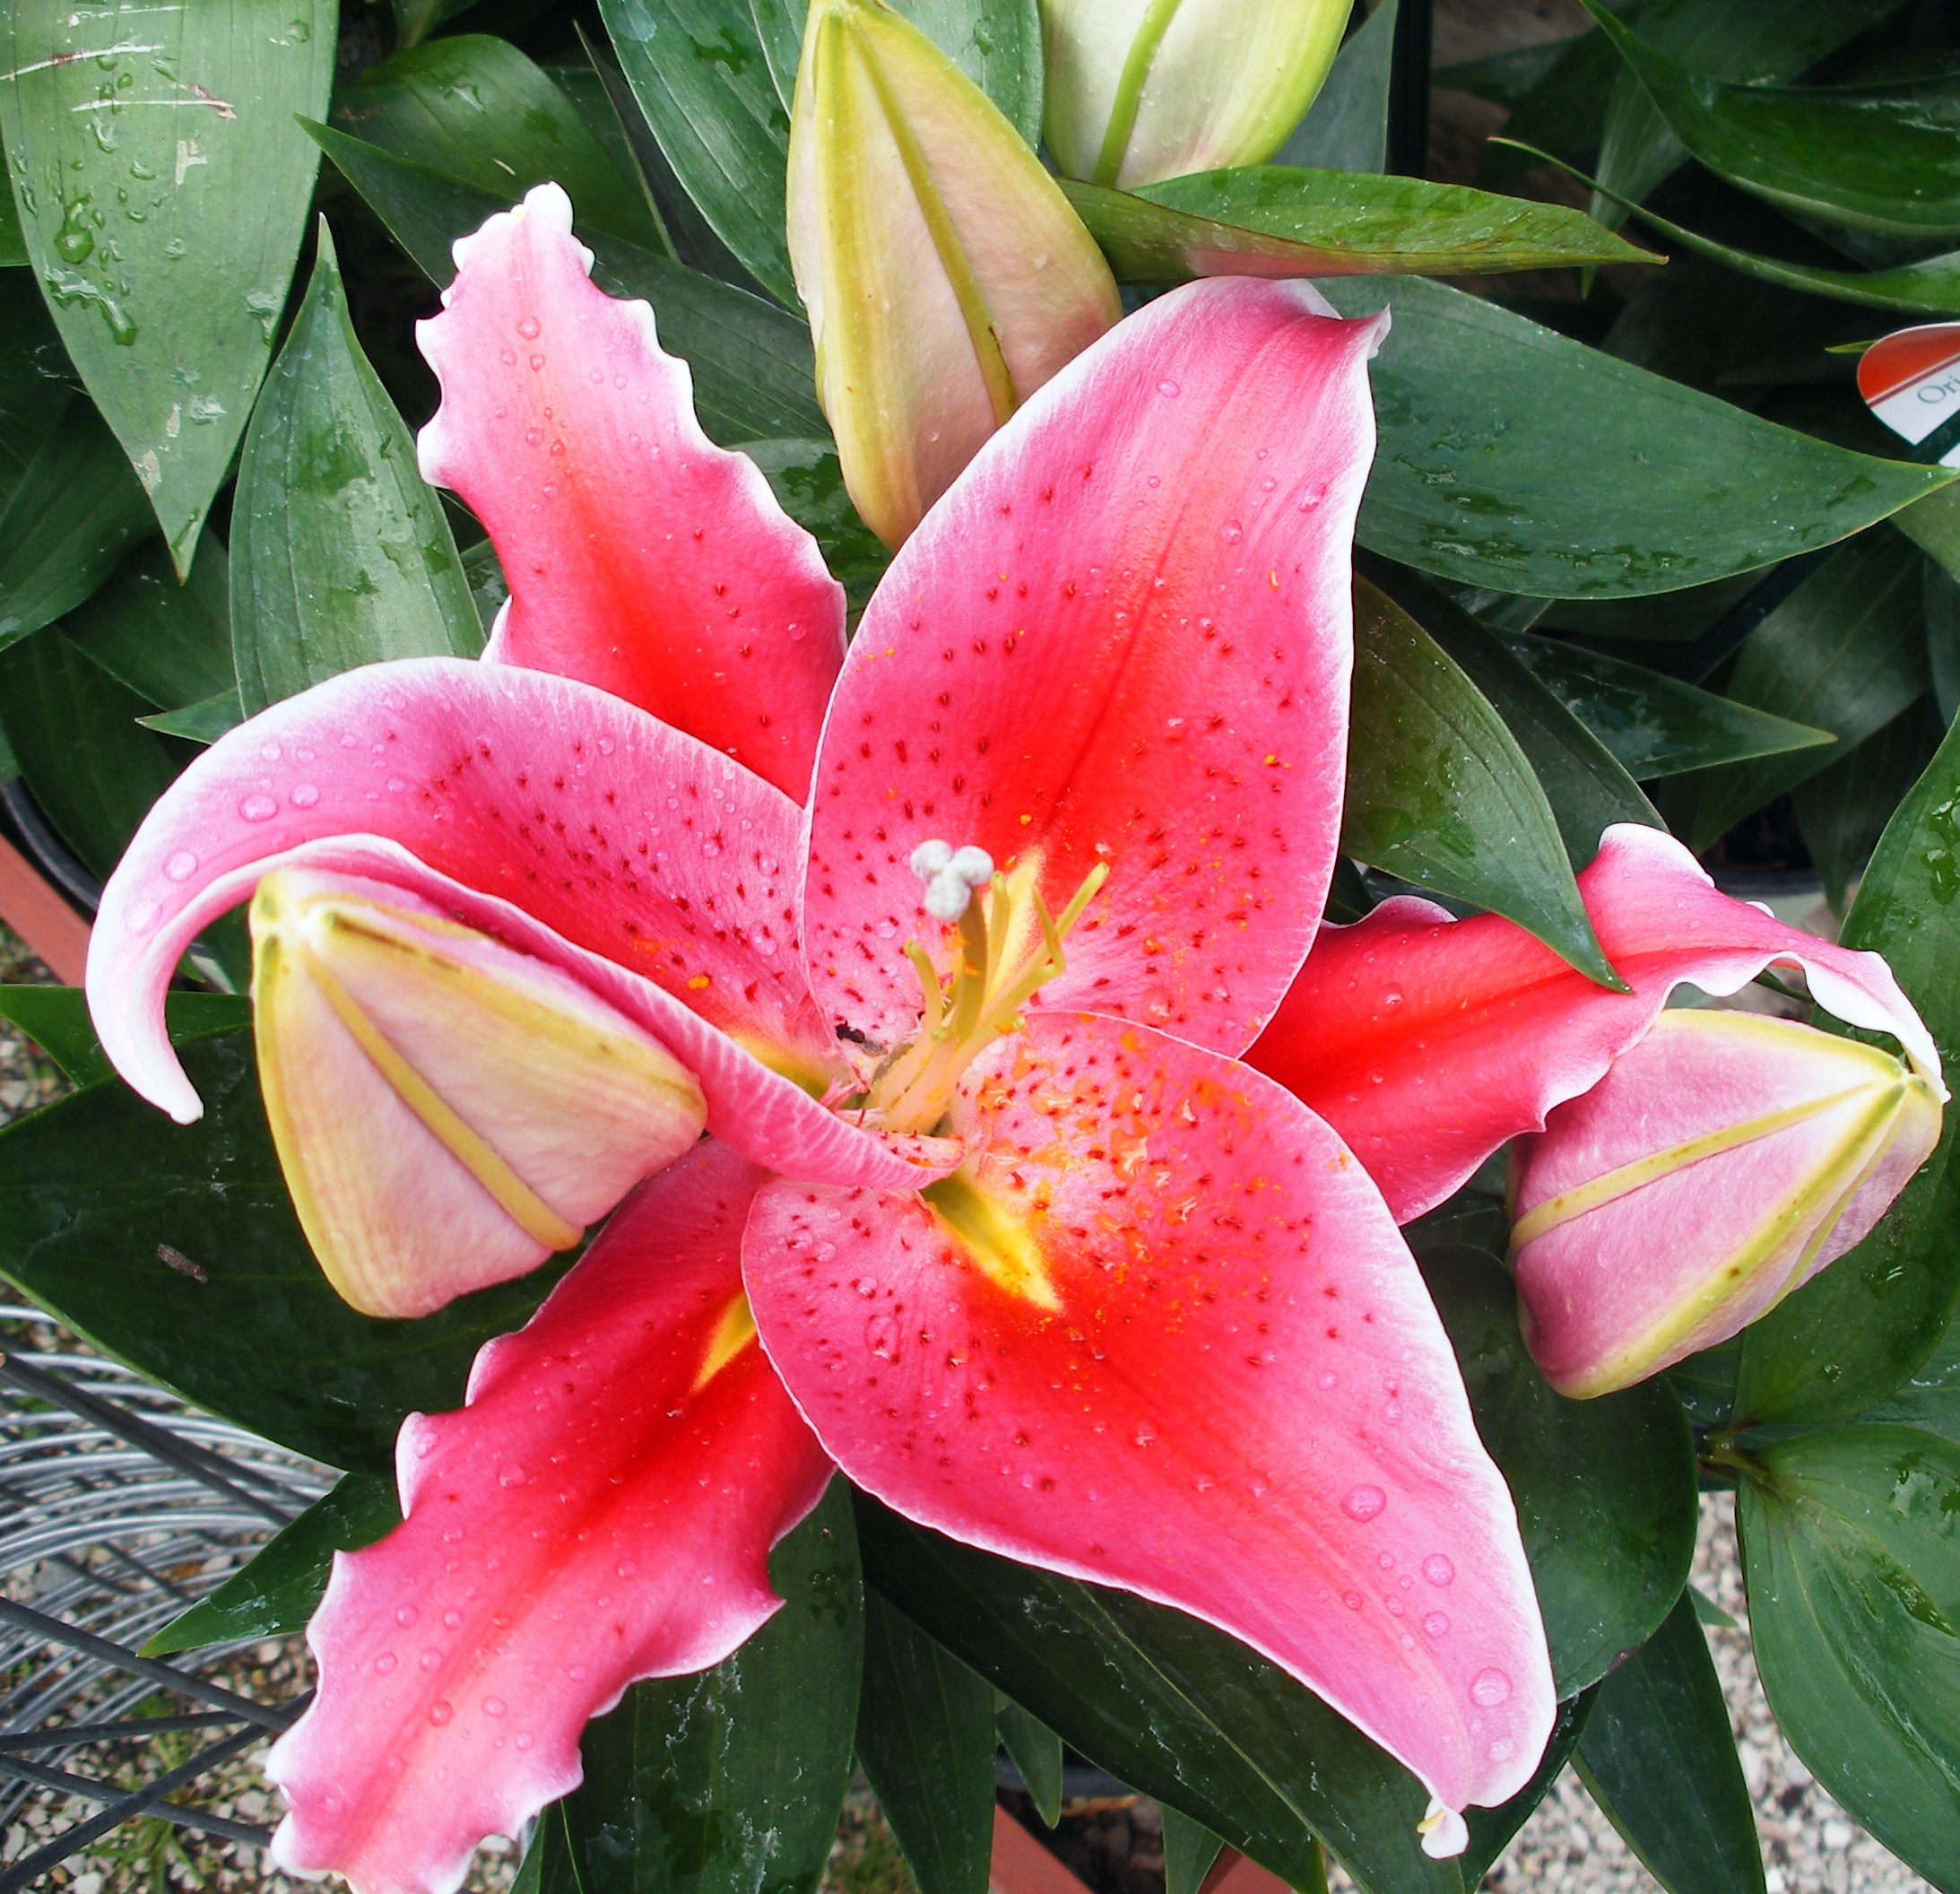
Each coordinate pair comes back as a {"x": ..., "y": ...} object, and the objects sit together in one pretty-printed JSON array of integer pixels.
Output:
[
  {"x": 729, "y": 1781},
  {"x": 35, "y": 378},
  {"x": 1942, "y": 601},
  {"x": 1854, "y": 1609},
  {"x": 926, "y": 1738},
  {"x": 1178, "y": 1710},
  {"x": 1845, "y": 652},
  {"x": 1605, "y": 1488},
  {"x": 1345, "y": 128},
  {"x": 1843, "y": 810},
  {"x": 163, "y": 188},
  {"x": 1659, "y": 1757},
  {"x": 1879, "y": 158},
  {"x": 340, "y": 554},
  {"x": 698, "y": 70},
  {"x": 1853, "y": 1334},
  {"x": 1516, "y": 459},
  {"x": 1189, "y": 1850},
  {"x": 76, "y": 510},
  {"x": 475, "y": 107},
  {"x": 90, "y": 1187},
  {"x": 56, "y": 1018},
  {"x": 1653, "y": 723},
  {"x": 1440, "y": 794},
  {"x": 275, "y": 1595},
  {"x": 1930, "y": 1399},
  {"x": 1266, "y": 220},
  {"x": 808, "y": 483},
  {"x": 754, "y": 372},
  {"x": 203, "y": 722},
  {"x": 170, "y": 643}
]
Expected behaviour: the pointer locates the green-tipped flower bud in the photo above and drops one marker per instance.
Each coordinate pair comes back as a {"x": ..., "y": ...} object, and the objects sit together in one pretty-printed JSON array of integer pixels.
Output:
[
  {"x": 1140, "y": 89},
  {"x": 945, "y": 274}
]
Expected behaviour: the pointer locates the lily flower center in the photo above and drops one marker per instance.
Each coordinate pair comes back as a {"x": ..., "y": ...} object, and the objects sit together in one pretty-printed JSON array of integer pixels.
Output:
[{"x": 1010, "y": 947}]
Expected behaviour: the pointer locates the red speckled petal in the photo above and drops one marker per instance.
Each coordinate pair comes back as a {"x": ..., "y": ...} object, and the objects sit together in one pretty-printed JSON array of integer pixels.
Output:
[
  {"x": 551, "y": 815},
  {"x": 590, "y": 1518},
  {"x": 1123, "y": 636},
  {"x": 641, "y": 557},
  {"x": 1200, "y": 1363},
  {"x": 1427, "y": 1043}
]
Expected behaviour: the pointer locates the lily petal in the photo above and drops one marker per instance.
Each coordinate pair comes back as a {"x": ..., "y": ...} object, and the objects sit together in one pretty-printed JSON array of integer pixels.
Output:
[
  {"x": 1427, "y": 1042},
  {"x": 640, "y": 556},
  {"x": 1122, "y": 637},
  {"x": 1722, "y": 1163},
  {"x": 1164, "y": 1334},
  {"x": 602, "y": 1510},
  {"x": 555, "y": 817},
  {"x": 447, "y": 1112}
]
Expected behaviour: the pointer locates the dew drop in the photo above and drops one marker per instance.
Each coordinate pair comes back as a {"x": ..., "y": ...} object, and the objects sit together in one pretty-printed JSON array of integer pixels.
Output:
[
  {"x": 1168, "y": 388},
  {"x": 1145, "y": 1435},
  {"x": 452, "y": 1620},
  {"x": 528, "y": 326},
  {"x": 1234, "y": 533},
  {"x": 406, "y": 1615},
  {"x": 430, "y": 1659},
  {"x": 1365, "y": 1503},
  {"x": 383, "y": 1664},
  {"x": 1435, "y": 1624},
  {"x": 1352, "y": 1600},
  {"x": 494, "y": 1706},
  {"x": 181, "y": 865},
  {"x": 1503, "y": 1750},
  {"x": 259, "y": 808},
  {"x": 510, "y": 1475},
  {"x": 305, "y": 794},
  {"x": 1488, "y": 1689},
  {"x": 1437, "y": 1569},
  {"x": 625, "y": 1568},
  {"x": 1329, "y": 1379},
  {"x": 441, "y": 1711}
]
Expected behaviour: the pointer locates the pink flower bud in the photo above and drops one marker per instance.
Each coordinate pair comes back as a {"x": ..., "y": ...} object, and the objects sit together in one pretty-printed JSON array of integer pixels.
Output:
[{"x": 1722, "y": 1162}]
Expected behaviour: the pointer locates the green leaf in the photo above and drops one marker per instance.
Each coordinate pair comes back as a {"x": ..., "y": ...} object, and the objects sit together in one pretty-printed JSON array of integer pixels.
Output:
[
  {"x": 1173, "y": 1707},
  {"x": 340, "y": 554},
  {"x": 1846, "y": 652},
  {"x": 698, "y": 70},
  {"x": 1740, "y": 40},
  {"x": 1036, "y": 1752},
  {"x": 996, "y": 43},
  {"x": 1942, "y": 602},
  {"x": 1653, "y": 723},
  {"x": 1851, "y": 1335},
  {"x": 1586, "y": 787},
  {"x": 475, "y": 107},
  {"x": 169, "y": 642},
  {"x": 203, "y": 722},
  {"x": 56, "y": 1018},
  {"x": 1491, "y": 1829},
  {"x": 1345, "y": 128},
  {"x": 92, "y": 1185},
  {"x": 1844, "y": 809},
  {"x": 76, "y": 510},
  {"x": 808, "y": 483},
  {"x": 1605, "y": 1488},
  {"x": 729, "y": 1781},
  {"x": 1854, "y": 1609},
  {"x": 1708, "y": 1613},
  {"x": 1558, "y": 107},
  {"x": 1440, "y": 794},
  {"x": 1930, "y": 1399},
  {"x": 1660, "y": 1759},
  {"x": 1517, "y": 460},
  {"x": 275, "y": 1595},
  {"x": 926, "y": 1738},
  {"x": 74, "y": 733},
  {"x": 1882, "y": 157},
  {"x": 1189, "y": 1850},
  {"x": 1266, "y": 220},
  {"x": 754, "y": 371},
  {"x": 163, "y": 189},
  {"x": 35, "y": 378}
]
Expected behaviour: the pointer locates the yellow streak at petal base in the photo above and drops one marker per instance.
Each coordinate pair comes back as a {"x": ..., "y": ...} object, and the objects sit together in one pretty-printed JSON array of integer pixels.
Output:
[
  {"x": 1000, "y": 1242},
  {"x": 733, "y": 1333}
]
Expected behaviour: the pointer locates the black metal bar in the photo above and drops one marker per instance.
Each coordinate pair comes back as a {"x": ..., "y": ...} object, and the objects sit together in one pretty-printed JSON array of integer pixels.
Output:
[
  {"x": 267, "y": 1716},
  {"x": 64, "y": 1782},
  {"x": 25, "y": 1871},
  {"x": 222, "y": 1475},
  {"x": 1409, "y": 90},
  {"x": 133, "y": 1729}
]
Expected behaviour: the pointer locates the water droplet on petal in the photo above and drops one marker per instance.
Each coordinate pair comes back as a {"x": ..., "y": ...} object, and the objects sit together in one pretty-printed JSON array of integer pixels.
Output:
[
  {"x": 1352, "y": 1600},
  {"x": 406, "y": 1615},
  {"x": 510, "y": 1475},
  {"x": 1488, "y": 1689},
  {"x": 1168, "y": 388},
  {"x": 1437, "y": 1569},
  {"x": 1503, "y": 1750},
  {"x": 528, "y": 326},
  {"x": 181, "y": 865},
  {"x": 383, "y": 1664},
  {"x": 1365, "y": 1503},
  {"x": 441, "y": 1711},
  {"x": 494, "y": 1707},
  {"x": 259, "y": 808},
  {"x": 305, "y": 794},
  {"x": 430, "y": 1659},
  {"x": 1435, "y": 1624}
]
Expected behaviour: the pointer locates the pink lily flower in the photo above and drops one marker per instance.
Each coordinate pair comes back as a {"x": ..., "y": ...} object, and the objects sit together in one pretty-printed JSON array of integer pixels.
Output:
[{"x": 1027, "y": 1250}]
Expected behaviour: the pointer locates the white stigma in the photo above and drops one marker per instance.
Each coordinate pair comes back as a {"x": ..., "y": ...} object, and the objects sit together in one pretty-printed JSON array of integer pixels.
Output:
[{"x": 950, "y": 876}]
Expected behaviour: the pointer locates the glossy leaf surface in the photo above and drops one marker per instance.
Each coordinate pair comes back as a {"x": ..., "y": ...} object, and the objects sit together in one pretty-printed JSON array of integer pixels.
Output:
[
  {"x": 1653, "y": 723},
  {"x": 1605, "y": 1488},
  {"x": 1190, "y": 1849},
  {"x": 1268, "y": 220},
  {"x": 926, "y": 1738},
  {"x": 1516, "y": 459},
  {"x": 1660, "y": 1758},
  {"x": 728, "y": 1781},
  {"x": 1854, "y": 1334},
  {"x": 340, "y": 554},
  {"x": 1854, "y": 1609},
  {"x": 1345, "y": 128},
  {"x": 1843, "y": 810},
  {"x": 164, "y": 188},
  {"x": 275, "y": 1595},
  {"x": 170, "y": 643},
  {"x": 89, "y": 1188},
  {"x": 1440, "y": 794}
]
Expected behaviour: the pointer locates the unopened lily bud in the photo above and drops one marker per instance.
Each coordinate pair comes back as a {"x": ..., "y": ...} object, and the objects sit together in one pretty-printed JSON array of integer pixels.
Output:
[
  {"x": 1141, "y": 89},
  {"x": 1721, "y": 1163},
  {"x": 448, "y": 1111},
  {"x": 946, "y": 277}
]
